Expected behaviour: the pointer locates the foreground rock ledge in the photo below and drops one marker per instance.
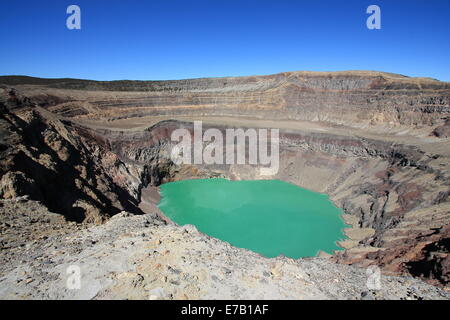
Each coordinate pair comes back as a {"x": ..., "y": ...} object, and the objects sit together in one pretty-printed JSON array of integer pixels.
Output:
[{"x": 143, "y": 257}]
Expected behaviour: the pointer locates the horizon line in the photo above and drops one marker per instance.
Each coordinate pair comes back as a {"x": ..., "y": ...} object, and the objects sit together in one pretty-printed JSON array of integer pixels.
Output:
[{"x": 224, "y": 77}]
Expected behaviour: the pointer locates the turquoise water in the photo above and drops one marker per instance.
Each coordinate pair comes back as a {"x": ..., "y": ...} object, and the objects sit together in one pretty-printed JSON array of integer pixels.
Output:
[{"x": 270, "y": 217}]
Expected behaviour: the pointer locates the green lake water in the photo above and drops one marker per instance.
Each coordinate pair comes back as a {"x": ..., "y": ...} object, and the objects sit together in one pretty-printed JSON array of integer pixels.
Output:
[{"x": 270, "y": 217}]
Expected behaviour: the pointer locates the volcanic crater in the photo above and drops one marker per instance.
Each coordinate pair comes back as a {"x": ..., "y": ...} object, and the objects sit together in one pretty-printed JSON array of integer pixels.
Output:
[{"x": 95, "y": 153}]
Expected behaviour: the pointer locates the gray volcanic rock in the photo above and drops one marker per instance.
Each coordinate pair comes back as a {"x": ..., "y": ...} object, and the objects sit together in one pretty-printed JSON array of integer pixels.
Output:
[{"x": 142, "y": 257}]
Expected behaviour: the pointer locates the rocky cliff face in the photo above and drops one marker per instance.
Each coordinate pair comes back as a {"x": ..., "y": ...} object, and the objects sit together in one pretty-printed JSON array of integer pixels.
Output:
[
  {"x": 375, "y": 142},
  {"x": 349, "y": 98},
  {"x": 45, "y": 159}
]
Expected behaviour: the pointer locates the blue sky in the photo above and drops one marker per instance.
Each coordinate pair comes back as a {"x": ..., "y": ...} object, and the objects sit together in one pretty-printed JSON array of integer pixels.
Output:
[{"x": 172, "y": 39}]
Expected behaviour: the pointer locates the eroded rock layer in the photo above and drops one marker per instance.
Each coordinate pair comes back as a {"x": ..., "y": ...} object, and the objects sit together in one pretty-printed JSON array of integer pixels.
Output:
[{"x": 351, "y": 98}]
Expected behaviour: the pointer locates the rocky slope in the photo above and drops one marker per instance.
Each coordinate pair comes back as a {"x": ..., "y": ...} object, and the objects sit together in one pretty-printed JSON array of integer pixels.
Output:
[
  {"x": 142, "y": 257},
  {"x": 350, "y": 98},
  {"x": 45, "y": 159},
  {"x": 377, "y": 143}
]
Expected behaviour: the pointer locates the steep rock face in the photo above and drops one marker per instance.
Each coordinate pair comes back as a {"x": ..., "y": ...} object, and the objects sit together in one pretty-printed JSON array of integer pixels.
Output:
[
  {"x": 434, "y": 261},
  {"x": 349, "y": 98},
  {"x": 42, "y": 158}
]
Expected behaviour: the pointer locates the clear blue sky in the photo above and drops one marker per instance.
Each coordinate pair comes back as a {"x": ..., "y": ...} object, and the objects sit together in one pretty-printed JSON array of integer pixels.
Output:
[{"x": 172, "y": 39}]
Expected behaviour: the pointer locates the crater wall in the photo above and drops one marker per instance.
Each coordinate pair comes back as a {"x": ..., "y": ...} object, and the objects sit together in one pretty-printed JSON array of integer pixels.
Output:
[{"x": 352, "y": 98}]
